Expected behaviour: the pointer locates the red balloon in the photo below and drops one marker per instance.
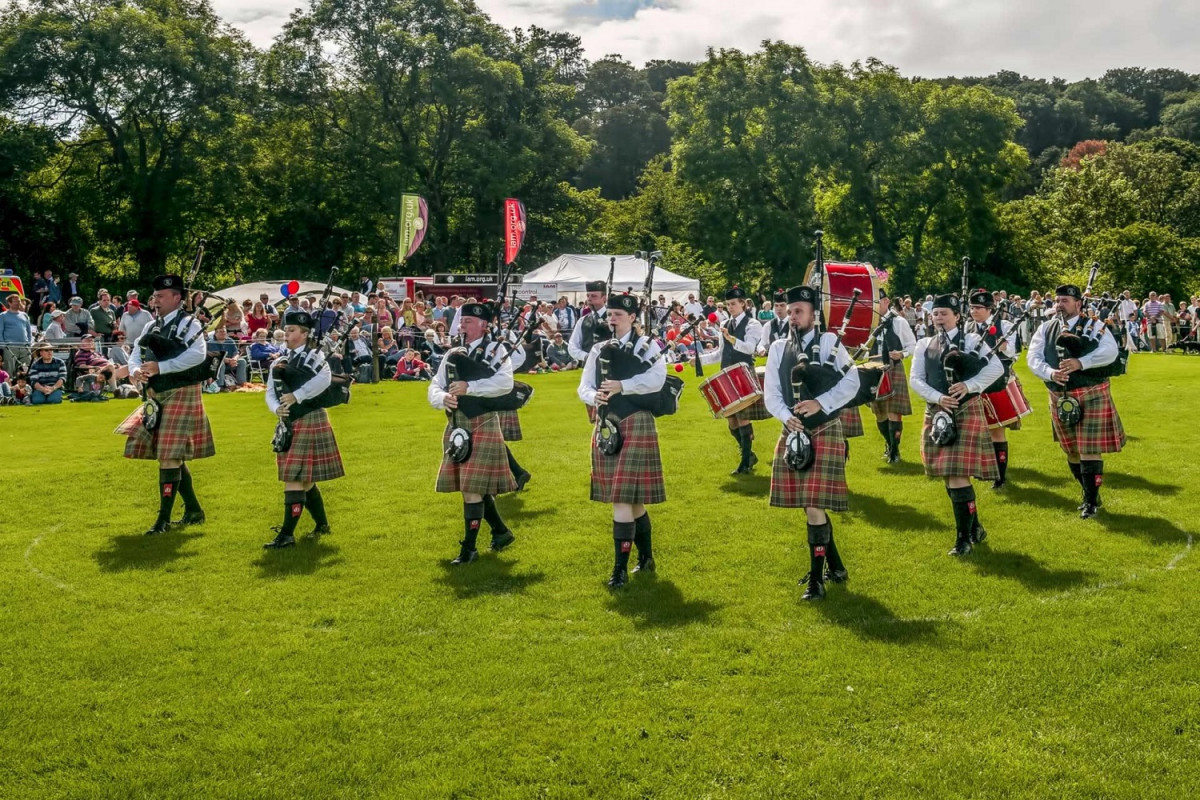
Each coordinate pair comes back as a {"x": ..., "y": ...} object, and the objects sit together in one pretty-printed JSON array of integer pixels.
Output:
[
  {"x": 293, "y": 287},
  {"x": 679, "y": 367},
  {"x": 713, "y": 317}
]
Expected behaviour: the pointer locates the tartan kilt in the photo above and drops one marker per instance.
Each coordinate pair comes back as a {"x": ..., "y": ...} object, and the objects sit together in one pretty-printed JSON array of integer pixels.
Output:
[
  {"x": 756, "y": 412},
  {"x": 900, "y": 402},
  {"x": 971, "y": 455},
  {"x": 1100, "y": 430},
  {"x": 510, "y": 425},
  {"x": 634, "y": 475},
  {"x": 314, "y": 454},
  {"x": 486, "y": 471},
  {"x": 183, "y": 432},
  {"x": 852, "y": 424},
  {"x": 823, "y": 485}
]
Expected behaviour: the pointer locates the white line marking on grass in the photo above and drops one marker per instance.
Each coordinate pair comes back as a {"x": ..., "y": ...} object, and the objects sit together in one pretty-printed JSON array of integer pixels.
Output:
[
  {"x": 1181, "y": 554},
  {"x": 53, "y": 581}
]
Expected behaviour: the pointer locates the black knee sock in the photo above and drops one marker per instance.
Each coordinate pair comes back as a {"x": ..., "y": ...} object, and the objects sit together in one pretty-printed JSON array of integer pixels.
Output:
[
  {"x": 818, "y": 546},
  {"x": 1001, "y": 450},
  {"x": 846, "y": 449},
  {"x": 316, "y": 505},
  {"x": 623, "y": 533},
  {"x": 513, "y": 466},
  {"x": 831, "y": 551},
  {"x": 746, "y": 433},
  {"x": 897, "y": 430},
  {"x": 492, "y": 515},
  {"x": 472, "y": 515},
  {"x": 963, "y": 500},
  {"x": 293, "y": 509},
  {"x": 641, "y": 536},
  {"x": 168, "y": 487},
  {"x": 1092, "y": 476},
  {"x": 1077, "y": 471},
  {"x": 190, "y": 503},
  {"x": 885, "y": 430}
]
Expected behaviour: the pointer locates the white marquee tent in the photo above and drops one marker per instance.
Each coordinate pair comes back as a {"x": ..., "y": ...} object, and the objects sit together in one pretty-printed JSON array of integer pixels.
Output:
[
  {"x": 571, "y": 271},
  {"x": 251, "y": 291}
]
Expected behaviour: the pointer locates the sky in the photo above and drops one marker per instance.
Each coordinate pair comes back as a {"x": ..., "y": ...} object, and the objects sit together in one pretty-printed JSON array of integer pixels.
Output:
[{"x": 1070, "y": 39}]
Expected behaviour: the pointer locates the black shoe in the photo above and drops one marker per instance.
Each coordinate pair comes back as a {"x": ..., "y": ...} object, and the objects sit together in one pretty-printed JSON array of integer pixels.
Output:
[
  {"x": 961, "y": 547},
  {"x": 465, "y": 554},
  {"x": 320, "y": 530},
  {"x": 752, "y": 462},
  {"x": 620, "y": 577},
  {"x": 502, "y": 540},
  {"x": 999, "y": 484},
  {"x": 741, "y": 469},
  {"x": 645, "y": 564},
  {"x": 522, "y": 479},
  {"x": 281, "y": 541},
  {"x": 159, "y": 527},
  {"x": 893, "y": 458},
  {"x": 1088, "y": 511},
  {"x": 189, "y": 518},
  {"x": 837, "y": 575},
  {"x": 815, "y": 591},
  {"x": 978, "y": 534}
]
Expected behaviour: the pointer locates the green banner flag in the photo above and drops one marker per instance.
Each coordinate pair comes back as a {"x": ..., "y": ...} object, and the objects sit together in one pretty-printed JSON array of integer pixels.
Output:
[{"x": 414, "y": 217}]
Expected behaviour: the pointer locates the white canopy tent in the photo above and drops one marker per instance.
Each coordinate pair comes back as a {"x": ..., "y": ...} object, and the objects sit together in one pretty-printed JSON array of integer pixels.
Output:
[
  {"x": 571, "y": 271},
  {"x": 251, "y": 291}
]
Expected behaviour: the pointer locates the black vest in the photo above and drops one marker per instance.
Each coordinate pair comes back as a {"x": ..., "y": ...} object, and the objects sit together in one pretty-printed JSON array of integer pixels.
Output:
[
  {"x": 595, "y": 330},
  {"x": 815, "y": 380},
  {"x": 622, "y": 364},
  {"x": 935, "y": 374},
  {"x": 777, "y": 329},
  {"x": 463, "y": 367},
  {"x": 1081, "y": 378},
  {"x": 729, "y": 356},
  {"x": 163, "y": 342},
  {"x": 889, "y": 341}
]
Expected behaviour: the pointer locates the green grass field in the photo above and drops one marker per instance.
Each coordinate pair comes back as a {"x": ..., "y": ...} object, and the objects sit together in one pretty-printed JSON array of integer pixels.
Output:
[{"x": 1061, "y": 659}]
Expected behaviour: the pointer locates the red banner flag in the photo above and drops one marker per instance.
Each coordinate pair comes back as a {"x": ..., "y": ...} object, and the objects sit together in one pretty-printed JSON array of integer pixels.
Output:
[{"x": 514, "y": 228}]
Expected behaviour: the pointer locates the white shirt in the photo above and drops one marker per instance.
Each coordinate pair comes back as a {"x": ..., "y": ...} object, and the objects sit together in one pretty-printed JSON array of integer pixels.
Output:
[
  {"x": 992, "y": 370},
  {"x": 1008, "y": 335},
  {"x": 360, "y": 346},
  {"x": 312, "y": 387},
  {"x": 748, "y": 346},
  {"x": 195, "y": 354},
  {"x": 498, "y": 385},
  {"x": 908, "y": 340},
  {"x": 1106, "y": 353},
  {"x": 841, "y": 393},
  {"x": 575, "y": 346},
  {"x": 693, "y": 308},
  {"x": 134, "y": 323},
  {"x": 647, "y": 382},
  {"x": 1127, "y": 307}
]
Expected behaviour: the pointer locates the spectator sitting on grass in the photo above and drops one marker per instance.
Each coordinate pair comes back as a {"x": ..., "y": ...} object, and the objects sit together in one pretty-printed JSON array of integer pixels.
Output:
[
  {"x": 22, "y": 392},
  {"x": 6, "y": 389},
  {"x": 47, "y": 375},
  {"x": 557, "y": 355},
  {"x": 411, "y": 368},
  {"x": 87, "y": 361},
  {"x": 230, "y": 360}
]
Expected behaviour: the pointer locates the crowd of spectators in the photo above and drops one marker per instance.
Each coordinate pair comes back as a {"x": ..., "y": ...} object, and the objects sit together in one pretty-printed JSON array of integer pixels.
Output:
[{"x": 82, "y": 353}]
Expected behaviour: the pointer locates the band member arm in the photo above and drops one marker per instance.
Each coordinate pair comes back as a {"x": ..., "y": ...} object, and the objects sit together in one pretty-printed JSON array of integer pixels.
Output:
[
  {"x": 647, "y": 382},
  {"x": 587, "y": 383},
  {"x": 1104, "y": 354},
  {"x": 991, "y": 372},
  {"x": 908, "y": 340},
  {"x": 772, "y": 393},
  {"x": 311, "y": 388},
  {"x": 710, "y": 356},
  {"x": 916, "y": 375},
  {"x": 748, "y": 345},
  {"x": 195, "y": 354},
  {"x": 845, "y": 389},
  {"x": 436, "y": 393},
  {"x": 1034, "y": 355},
  {"x": 575, "y": 345}
]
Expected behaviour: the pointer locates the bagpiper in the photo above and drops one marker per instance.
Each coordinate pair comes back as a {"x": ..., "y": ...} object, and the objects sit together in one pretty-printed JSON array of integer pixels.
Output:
[
  {"x": 949, "y": 370},
  {"x": 467, "y": 382},
  {"x": 1002, "y": 339},
  {"x": 306, "y": 452},
  {"x": 510, "y": 421},
  {"x": 779, "y": 325},
  {"x": 895, "y": 344},
  {"x": 169, "y": 362},
  {"x": 591, "y": 329},
  {"x": 1075, "y": 356},
  {"x": 809, "y": 377},
  {"x": 619, "y": 379}
]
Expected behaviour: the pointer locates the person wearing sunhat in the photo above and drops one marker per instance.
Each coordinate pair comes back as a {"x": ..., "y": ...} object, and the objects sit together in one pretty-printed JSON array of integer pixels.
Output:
[
  {"x": 1074, "y": 356},
  {"x": 890, "y": 349},
  {"x": 466, "y": 380},
  {"x": 621, "y": 375},
  {"x": 312, "y": 454},
  {"x": 1001, "y": 337},
  {"x": 828, "y": 381},
  {"x": 950, "y": 370},
  {"x": 78, "y": 320},
  {"x": 169, "y": 360}
]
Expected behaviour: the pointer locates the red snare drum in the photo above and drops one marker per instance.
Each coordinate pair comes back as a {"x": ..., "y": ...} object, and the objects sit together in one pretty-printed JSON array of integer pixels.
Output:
[
  {"x": 874, "y": 384},
  {"x": 1005, "y": 407},
  {"x": 838, "y": 288},
  {"x": 885, "y": 388},
  {"x": 731, "y": 390}
]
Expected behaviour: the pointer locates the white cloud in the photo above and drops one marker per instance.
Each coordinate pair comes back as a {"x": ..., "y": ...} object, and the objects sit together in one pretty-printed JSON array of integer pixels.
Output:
[{"x": 1068, "y": 38}]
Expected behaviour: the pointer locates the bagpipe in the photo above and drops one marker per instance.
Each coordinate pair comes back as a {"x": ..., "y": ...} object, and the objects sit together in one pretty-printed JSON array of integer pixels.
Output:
[
  {"x": 874, "y": 377},
  {"x": 292, "y": 371},
  {"x": 957, "y": 364},
  {"x": 163, "y": 344}
]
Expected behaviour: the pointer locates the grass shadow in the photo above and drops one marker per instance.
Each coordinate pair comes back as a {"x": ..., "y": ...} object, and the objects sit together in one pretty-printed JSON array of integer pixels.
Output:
[
  {"x": 894, "y": 516},
  {"x": 1153, "y": 529},
  {"x": 751, "y": 485},
  {"x": 144, "y": 552},
  {"x": 305, "y": 558},
  {"x": 1021, "y": 567},
  {"x": 868, "y": 618},
  {"x": 491, "y": 574},
  {"x": 903, "y": 467},
  {"x": 512, "y": 507},
  {"x": 1041, "y": 498},
  {"x": 1025, "y": 476},
  {"x": 1123, "y": 480},
  {"x": 654, "y": 603}
]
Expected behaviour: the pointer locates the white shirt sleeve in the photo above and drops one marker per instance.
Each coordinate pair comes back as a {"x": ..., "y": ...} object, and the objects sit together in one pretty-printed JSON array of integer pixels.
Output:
[
  {"x": 575, "y": 346},
  {"x": 272, "y": 400},
  {"x": 1034, "y": 355},
  {"x": 709, "y": 356},
  {"x": 652, "y": 379},
  {"x": 587, "y": 383},
  {"x": 499, "y": 384},
  {"x": 193, "y": 356},
  {"x": 908, "y": 341},
  {"x": 436, "y": 393},
  {"x": 748, "y": 345},
  {"x": 916, "y": 374},
  {"x": 990, "y": 373},
  {"x": 316, "y": 384},
  {"x": 772, "y": 391}
]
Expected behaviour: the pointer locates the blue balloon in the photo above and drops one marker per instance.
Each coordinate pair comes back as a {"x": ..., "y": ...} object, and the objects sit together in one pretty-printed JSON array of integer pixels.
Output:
[{"x": 283, "y": 290}]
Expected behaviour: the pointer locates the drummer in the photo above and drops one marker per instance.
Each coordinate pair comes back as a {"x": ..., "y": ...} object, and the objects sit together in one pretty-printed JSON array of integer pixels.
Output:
[
  {"x": 895, "y": 345},
  {"x": 738, "y": 343},
  {"x": 1001, "y": 337}
]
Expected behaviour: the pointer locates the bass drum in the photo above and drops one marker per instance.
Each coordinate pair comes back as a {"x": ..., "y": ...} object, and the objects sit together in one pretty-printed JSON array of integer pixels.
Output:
[{"x": 837, "y": 289}]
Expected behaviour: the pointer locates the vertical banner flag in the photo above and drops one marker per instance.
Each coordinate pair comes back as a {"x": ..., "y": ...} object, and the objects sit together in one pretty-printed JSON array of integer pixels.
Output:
[
  {"x": 414, "y": 218},
  {"x": 514, "y": 228}
]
